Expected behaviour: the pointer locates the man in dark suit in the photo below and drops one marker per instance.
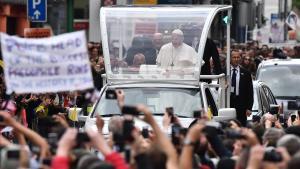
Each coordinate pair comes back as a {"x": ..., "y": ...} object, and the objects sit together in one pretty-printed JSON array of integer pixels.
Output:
[
  {"x": 241, "y": 95},
  {"x": 210, "y": 51}
]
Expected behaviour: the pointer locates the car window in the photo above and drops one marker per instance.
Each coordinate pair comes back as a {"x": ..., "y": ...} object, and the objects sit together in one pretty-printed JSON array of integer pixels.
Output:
[
  {"x": 269, "y": 95},
  {"x": 184, "y": 101},
  {"x": 283, "y": 80},
  {"x": 264, "y": 101}
]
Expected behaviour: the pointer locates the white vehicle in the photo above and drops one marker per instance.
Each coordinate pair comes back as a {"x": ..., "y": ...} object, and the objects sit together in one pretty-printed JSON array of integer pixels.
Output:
[
  {"x": 127, "y": 33},
  {"x": 283, "y": 78}
]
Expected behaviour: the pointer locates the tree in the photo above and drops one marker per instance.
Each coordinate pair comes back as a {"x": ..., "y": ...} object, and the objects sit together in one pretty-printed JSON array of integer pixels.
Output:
[{"x": 296, "y": 4}]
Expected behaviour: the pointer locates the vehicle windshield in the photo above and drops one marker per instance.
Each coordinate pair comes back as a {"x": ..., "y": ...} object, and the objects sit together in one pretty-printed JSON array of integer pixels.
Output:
[
  {"x": 184, "y": 101},
  {"x": 283, "y": 80}
]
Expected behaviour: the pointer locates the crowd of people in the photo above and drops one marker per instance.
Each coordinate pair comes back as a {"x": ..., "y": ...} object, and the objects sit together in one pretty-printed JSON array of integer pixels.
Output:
[
  {"x": 37, "y": 132},
  {"x": 263, "y": 144}
]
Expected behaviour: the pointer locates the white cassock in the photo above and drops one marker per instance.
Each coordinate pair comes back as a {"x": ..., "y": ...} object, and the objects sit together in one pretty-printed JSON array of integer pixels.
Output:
[{"x": 182, "y": 56}]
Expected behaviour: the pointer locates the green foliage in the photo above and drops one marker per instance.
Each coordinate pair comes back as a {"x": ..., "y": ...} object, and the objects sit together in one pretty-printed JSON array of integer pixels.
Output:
[{"x": 296, "y": 3}]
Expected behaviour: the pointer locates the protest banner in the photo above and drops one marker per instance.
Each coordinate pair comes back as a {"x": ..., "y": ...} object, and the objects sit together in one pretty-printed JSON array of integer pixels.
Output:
[{"x": 59, "y": 63}]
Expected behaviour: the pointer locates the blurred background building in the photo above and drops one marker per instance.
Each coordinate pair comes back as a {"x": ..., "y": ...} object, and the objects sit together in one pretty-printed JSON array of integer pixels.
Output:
[{"x": 248, "y": 16}]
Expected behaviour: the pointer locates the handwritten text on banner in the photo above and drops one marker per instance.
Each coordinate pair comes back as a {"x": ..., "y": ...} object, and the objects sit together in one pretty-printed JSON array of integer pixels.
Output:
[{"x": 59, "y": 63}]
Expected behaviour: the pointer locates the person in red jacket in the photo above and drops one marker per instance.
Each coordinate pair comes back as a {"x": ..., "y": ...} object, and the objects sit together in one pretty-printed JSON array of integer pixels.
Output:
[{"x": 68, "y": 141}]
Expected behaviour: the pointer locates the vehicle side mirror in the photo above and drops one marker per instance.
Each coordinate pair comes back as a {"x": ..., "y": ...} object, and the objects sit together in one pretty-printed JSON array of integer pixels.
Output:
[
  {"x": 294, "y": 105},
  {"x": 225, "y": 114}
]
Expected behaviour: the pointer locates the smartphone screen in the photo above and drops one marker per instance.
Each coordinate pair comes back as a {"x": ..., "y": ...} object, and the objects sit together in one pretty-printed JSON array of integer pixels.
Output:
[
  {"x": 145, "y": 133},
  {"x": 293, "y": 117},
  {"x": 82, "y": 137},
  {"x": 197, "y": 114},
  {"x": 13, "y": 154}
]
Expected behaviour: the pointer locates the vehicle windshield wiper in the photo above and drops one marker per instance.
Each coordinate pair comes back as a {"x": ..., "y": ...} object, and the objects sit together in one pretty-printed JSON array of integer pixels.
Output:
[
  {"x": 158, "y": 114},
  {"x": 109, "y": 115},
  {"x": 161, "y": 114},
  {"x": 182, "y": 116}
]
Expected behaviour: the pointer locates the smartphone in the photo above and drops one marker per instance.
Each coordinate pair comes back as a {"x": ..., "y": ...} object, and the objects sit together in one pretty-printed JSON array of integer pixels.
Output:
[
  {"x": 274, "y": 109},
  {"x": 127, "y": 130},
  {"x": 13, "y": 154},
  {"x": 145, "y": 132},
  {"x": 1, "y": 119},
  {"x": 281, "y": 119},
  {"x": 82, "y": 137},
  {"x": 197, "y": 114},
  {"x": 273, "y": 124},
  {"x": 52, "y": 139},
  {"x": 293, "y": 117},
  {"x": 130, "y": 110},
  {"x": 111, "y": 94},
  {"x": 47, "y": 161},
  {"x": 175, "y": 134},
  {"x": 170, "y": 111}
]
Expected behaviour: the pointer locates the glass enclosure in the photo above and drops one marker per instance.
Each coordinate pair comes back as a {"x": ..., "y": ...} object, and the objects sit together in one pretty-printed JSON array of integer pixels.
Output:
[{"x": 154, "y": 43}]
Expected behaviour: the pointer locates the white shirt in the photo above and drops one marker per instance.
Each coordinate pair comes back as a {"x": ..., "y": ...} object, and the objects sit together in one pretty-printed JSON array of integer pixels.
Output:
[
  {"x": 237, "y": 71},
  {"x": 182, "y": 56}
]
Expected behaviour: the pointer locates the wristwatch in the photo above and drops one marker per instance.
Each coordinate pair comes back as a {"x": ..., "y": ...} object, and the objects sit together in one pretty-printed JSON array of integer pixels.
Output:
[{"x": 188, "y": 142}]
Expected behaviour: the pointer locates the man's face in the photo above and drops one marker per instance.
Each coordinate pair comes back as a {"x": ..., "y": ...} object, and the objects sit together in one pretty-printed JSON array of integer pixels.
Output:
[
  {"x": 176, "y": 40},
  {"x": 158, "y": 40},
  {"x": 235, "y": 58}
]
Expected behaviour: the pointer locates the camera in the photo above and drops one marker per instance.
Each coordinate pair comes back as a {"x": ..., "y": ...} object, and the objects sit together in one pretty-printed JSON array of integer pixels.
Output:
[
  {"x": 111, "y": 94},
  {"x": 128, "y": 126},
  {"x": 52, "y": 139},
  {"x": 10, "y": 156},
  {"x": 132, "y": 110},
  {"x": 82, "y": 137},
  {"x": 170, "y": 111},
  {"x": 197, "y": 114},
  {"x": 293, "y": 117},
  {"x": 274, "y": 109},
  {"x": 13, "y": 154},
  {"x": 145, "y": 132},
  {"x": 47, "y": 161},
  {"x": 272, "y": 155}
]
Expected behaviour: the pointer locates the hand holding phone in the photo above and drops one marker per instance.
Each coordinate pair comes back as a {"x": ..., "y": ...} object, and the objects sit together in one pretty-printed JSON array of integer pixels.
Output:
[{"x": 131, "y": 110}]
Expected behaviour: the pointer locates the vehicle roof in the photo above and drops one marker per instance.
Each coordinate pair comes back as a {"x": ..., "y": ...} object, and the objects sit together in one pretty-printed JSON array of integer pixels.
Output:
[
  {"x": 279, "y": 62},
  {"x": 151, "y": 85}
]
